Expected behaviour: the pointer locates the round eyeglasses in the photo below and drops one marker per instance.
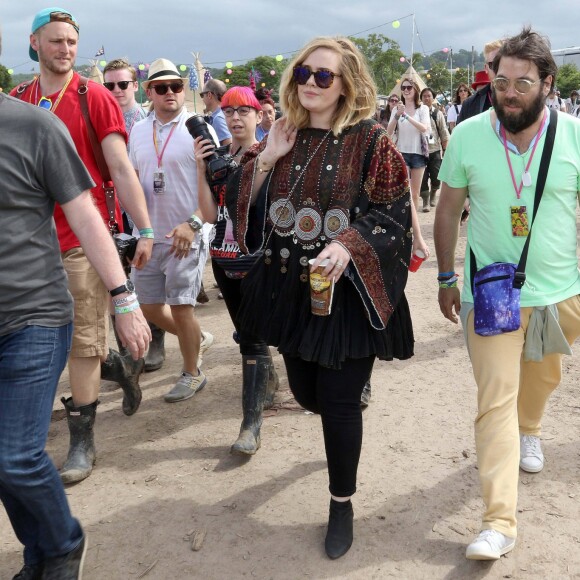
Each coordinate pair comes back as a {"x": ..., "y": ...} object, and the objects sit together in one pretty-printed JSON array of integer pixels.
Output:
[{"x": 521, "y": 86}]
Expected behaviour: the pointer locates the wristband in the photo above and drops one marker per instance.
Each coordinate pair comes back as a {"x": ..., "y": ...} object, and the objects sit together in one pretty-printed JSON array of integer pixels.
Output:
[
  {"x": 445, "y": 275},
  {"x": 125, "y": 300},
  {"x": 197, "y": 220},
  {"x": 450, "y": 282},
  {"x": 147, "y": 233},
  {"x": 126, "y": 309},
  {"x": 260, "y": 170}
]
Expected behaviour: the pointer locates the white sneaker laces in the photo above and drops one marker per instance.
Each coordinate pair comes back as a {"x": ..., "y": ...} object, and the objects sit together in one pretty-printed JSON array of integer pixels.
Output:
[{"x": 531, "y": 446}]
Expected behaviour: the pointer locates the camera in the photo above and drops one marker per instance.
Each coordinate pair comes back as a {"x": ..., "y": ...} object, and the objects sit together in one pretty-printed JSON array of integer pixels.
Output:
[{"x": 220, "y": 164}]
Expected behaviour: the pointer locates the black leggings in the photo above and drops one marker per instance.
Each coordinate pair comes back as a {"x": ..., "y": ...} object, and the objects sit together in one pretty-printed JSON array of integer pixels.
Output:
[
  {"x": 335, "y": 396},
  {"x": 231, "y": 291}
]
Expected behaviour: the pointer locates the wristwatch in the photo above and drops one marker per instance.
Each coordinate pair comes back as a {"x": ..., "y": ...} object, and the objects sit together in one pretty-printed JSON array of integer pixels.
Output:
[
  {"x": 195, "y": 223},
  {"x": 128, "y": 286}
]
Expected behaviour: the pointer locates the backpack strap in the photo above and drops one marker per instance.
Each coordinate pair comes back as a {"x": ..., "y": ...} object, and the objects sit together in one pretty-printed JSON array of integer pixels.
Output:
[
  {"x": 108, "y": 186},
  {"x": 21, "y": 89}
]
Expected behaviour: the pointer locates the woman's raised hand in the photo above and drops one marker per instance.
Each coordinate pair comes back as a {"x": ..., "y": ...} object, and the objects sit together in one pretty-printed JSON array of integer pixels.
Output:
[{"x": 281, "y": 139}]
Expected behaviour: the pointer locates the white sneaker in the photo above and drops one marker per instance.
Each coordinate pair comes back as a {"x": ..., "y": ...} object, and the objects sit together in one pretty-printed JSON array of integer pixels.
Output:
[
  {"x": 205, "y": 344},
  {"x": 489, "y": 545},
  {"x": 531, "y": 456}
]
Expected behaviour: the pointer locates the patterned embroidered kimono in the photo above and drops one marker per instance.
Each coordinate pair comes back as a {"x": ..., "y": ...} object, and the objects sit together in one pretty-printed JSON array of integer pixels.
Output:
[{"x": 353, "y": 191}]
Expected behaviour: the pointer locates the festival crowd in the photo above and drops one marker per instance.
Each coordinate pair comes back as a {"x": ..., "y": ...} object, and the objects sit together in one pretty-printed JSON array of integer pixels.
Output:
[{"x": 110, "y": 212}]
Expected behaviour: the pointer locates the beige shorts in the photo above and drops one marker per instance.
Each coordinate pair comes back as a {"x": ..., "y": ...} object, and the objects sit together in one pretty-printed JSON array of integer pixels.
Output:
[{"x": 91, "y": 303}]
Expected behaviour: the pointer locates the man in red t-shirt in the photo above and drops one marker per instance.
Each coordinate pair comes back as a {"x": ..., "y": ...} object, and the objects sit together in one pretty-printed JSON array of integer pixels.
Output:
[{"x": 53, "y": 43}]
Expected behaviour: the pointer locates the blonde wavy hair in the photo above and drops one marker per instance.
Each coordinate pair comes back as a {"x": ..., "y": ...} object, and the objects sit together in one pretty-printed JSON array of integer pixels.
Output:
[{"x": 360, "y": 95}]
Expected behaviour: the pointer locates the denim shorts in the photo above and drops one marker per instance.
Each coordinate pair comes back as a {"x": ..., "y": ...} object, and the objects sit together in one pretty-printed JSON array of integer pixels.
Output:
[{"x": 414, "y": 160}]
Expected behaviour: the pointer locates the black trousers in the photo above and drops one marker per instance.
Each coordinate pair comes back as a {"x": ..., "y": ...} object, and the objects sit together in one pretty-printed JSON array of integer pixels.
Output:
[
  {"x": 231, "y": 291},
  {"x": 432, "y": 172},
  {"x": 335, "y": 396}
]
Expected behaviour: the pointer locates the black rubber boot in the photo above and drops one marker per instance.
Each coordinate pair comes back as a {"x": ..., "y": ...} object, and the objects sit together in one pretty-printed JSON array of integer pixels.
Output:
[
  {"x": 273, "y": 385},
  {"x": 123, "y": 369},
  {"x": 81, "y": 454},
  {"x": 30, "y": 572},
  {"x": 156, "y": 353},
  {"x": 67, "y": 567},
  {"x": 340, "y": 529},
  {"x": 256, "y": 370}
]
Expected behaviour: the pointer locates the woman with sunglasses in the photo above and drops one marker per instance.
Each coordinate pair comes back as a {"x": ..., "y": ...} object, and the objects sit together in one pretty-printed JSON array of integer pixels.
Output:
[
  {"x": 327, "y": 185},
  {"x": 392, "y": 102},
  {"x": 462, "y": 92},
  {"x": 243, "y": 114},
  {"x": 411, "y": 119}
]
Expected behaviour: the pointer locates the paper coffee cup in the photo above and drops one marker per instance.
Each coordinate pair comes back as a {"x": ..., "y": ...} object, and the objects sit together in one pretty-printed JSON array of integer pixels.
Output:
[
  {"x": 321, "y": 290},
  {"x": 416, "y": 260}
]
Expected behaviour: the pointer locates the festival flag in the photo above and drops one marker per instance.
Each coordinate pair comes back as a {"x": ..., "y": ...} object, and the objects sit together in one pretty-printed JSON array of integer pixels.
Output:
[
  {"x": 193, "y": 80},
  {"x": 206, "y": 76},
  {"x": 100, "y": 52}
]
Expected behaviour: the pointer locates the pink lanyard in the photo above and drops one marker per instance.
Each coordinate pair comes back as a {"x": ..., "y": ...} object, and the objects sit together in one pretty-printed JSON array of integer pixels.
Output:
[
  {"x": 160, "y": 155},
  {"x": 517, "y": 189}
]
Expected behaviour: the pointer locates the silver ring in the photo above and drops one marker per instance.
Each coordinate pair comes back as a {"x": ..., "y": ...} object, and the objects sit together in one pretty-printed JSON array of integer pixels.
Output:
[{"x": 339, "y": 264}]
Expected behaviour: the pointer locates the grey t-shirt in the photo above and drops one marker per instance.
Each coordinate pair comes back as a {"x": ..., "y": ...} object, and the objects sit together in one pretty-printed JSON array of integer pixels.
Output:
[{"x": 39, "y": 166}]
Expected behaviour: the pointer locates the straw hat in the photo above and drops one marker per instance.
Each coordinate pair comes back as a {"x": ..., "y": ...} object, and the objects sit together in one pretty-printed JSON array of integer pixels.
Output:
[{"x": 161, "y": 70}]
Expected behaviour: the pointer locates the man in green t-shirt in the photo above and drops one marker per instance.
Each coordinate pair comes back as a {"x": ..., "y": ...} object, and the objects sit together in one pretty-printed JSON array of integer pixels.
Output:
[{"x": 496, "y": 157}]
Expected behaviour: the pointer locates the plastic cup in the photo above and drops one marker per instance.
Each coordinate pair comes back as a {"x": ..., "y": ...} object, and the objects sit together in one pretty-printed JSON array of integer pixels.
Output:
[
  {"x": 416, "y": 260},
  {"x": 321, "y": 290}
]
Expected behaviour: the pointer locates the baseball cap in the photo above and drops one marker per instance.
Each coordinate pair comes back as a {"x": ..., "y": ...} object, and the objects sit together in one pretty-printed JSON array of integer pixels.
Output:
[{"x": 47, "y": 15}]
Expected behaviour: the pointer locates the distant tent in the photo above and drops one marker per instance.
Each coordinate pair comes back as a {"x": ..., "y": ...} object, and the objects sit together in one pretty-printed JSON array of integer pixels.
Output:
[
  {"x": 412, "y": 74},
  {"x": 95, "y": 74}
]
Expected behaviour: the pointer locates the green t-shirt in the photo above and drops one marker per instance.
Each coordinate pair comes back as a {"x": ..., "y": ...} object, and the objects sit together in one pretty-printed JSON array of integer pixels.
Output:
[{"x": 475, "y": 158}]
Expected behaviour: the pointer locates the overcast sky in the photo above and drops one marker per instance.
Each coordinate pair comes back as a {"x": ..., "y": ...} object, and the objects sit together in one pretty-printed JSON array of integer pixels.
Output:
[{"x": 236, "y": 30}]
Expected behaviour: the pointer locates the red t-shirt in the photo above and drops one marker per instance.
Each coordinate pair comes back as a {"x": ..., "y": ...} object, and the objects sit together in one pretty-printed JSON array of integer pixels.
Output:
[{"x": 106, "y": 117}]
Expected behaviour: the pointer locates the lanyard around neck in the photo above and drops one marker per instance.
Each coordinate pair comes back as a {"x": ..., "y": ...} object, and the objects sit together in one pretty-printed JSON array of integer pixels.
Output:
[
  {"x": 160, "y": 155},
  {"x": 526, "y": 179}
]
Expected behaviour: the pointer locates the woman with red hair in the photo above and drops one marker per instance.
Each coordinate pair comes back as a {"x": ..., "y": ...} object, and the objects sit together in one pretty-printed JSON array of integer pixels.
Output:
[{"x": 243, "y": 113}]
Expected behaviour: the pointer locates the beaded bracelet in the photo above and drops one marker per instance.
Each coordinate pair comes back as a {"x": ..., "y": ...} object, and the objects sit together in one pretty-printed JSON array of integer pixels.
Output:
[
  {"x": 125, "y": 300},
  {"x": 126, "y": 309}
]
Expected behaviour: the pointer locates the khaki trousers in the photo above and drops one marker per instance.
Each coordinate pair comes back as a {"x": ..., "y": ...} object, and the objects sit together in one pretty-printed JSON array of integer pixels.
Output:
[{"x": 511, "y": 397}]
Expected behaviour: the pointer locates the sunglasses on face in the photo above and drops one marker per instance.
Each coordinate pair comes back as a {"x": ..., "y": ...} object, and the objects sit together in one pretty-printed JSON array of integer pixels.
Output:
[
  {"x": 204, "y": 94},
  {"x": 121, "y": 84},
  {"x": 162, "y": 89},
  {"x": 241, "y": 111},
  {"x": 393, "y": 100},
  {"x": 407, "y": 88},
  {"x": 489, "y": 63},
  {"x": 462, "y": 91},
  {"x": 322, "y": 77},
  {"x": 522, "y": 86}
]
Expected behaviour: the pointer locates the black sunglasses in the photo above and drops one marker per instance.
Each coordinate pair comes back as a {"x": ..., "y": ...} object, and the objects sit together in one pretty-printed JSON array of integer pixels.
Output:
[
  {"x": 322, "y": 77},
  {"x": 162, "y": 89},
  {"x": 393, "y": 100},
  {"x": 407, "y": 87},
  {"x": 121, "y": 84},
  {"x": 204, "y": 94}
]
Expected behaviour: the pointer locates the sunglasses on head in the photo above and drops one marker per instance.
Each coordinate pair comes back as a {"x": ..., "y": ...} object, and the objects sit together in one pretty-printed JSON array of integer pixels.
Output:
[
  {"x": 121, "y": 84},
  {"x": 322, "y": 77},
  {"x": 162, "y": 89},
  {"x": 241, "y": 111},
  {"x": 407, "y": 87},
  {"x": 522, "y": 86}
]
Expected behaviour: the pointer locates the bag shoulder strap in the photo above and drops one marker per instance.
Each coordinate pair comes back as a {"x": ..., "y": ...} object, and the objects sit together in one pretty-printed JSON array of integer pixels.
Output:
[
  {"x": 520, "y": 275},
  {"x": 108, "y": 186}
]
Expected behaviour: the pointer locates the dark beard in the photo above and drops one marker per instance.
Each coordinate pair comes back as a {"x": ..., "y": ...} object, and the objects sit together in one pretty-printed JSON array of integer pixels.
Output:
[{"x": 514, "y": 123}]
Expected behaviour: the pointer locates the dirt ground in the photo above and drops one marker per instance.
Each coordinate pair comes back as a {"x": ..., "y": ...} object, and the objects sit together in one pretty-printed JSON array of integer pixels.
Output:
[{"x": 165, "y": 478}]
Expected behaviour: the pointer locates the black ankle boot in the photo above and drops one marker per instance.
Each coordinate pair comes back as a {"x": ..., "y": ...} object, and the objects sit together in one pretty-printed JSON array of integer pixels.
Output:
[
  {"x": 156, "y": 353},
  {"x": 340, "y": 524},
  {"x": 256, "y": 370},
  {"x": 30, "y": 572},
  {"x": 81, "y": 453},
  {"x": 67, "y": 567},
  {"x": 124, "y": 370}
]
